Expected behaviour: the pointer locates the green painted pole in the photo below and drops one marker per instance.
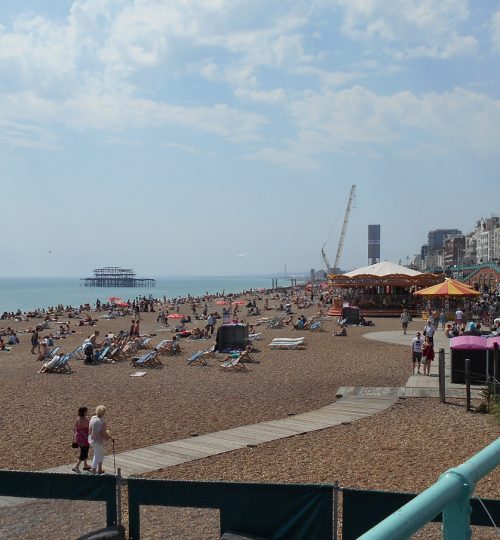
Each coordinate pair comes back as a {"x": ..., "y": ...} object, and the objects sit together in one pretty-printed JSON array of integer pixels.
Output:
[{"x": 450, "y": 495}]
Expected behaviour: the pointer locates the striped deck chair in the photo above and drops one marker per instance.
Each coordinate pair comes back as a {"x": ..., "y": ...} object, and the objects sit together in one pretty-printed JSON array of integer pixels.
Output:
[
  {"x": 234, "y": 363},
  {"x": 101, "y": 355},
  {"x": 145, "y": 343},
  {"x": 150, "y": 359},
  {"x": 317, "y": 327},
  {"x": 197, "y": 359},
  {"x": 277, "y": 322},
  {"x": 255, "y": 337},
  {"x": 163, "y": 343},
  {"x": 57, "y": 365}
]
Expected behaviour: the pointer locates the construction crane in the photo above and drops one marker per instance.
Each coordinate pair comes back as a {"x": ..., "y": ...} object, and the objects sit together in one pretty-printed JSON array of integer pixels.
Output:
[
  {"x": 340, "y": 247},
  {"x": 325, "y": 259}
]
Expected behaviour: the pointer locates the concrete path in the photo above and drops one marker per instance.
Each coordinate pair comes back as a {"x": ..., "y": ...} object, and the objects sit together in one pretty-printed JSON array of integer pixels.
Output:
[{"x": 420, "y": 385}]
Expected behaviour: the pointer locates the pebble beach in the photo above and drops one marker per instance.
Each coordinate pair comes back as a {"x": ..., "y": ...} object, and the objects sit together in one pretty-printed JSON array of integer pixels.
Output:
[{"x": 403, "y": 448}]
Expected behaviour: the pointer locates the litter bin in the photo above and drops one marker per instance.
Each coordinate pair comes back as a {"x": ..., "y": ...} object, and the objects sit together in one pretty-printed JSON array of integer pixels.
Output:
[{"x": 474, "y": 349}]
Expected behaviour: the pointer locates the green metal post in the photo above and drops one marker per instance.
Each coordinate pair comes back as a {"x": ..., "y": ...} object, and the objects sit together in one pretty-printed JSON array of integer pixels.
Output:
[{"x": 450, "y": 495}]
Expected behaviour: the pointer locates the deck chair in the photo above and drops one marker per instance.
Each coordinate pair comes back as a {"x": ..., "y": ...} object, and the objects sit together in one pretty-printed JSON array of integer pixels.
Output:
[
  {"x": 57, "y": 365},
  {"x": 316, "y": 327},
  {"x": 78, "y": 353},
  {"x": 145, "y": 343},
  {"x": 210, "y": 352},
  {"x": 53, "y": 352},
  {"x": 235, "y": 363},
  {"x": 197, "y": 359},
  {"x": 101, "y": 355},
  {"x": 255, "y": 337},
  {"x": 149, "y": 359},
  {"x": 246, "y": 356},
  {"x": 275, "y": 323},
  {"x": 163, "y": 343}
]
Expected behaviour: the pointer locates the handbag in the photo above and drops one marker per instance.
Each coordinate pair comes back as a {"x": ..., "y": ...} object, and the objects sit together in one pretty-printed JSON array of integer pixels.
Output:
[{"x": 74, "y": 444}]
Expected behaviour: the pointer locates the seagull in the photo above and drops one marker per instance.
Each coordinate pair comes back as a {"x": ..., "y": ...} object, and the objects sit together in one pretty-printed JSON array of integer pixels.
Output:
[{"x": 242, "y": 255}]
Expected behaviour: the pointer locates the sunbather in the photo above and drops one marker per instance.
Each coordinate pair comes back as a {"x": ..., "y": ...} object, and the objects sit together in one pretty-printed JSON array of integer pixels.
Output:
[{"x": 342, "y": 332}]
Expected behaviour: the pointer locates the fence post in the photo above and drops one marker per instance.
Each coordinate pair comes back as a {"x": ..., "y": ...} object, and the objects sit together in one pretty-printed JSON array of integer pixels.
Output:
[
  {"x": 119, "y": 480},
  {"x": 496, "y": 370},
  {"x": 456, "y": 517},
  {"x": 467, "y": 383},
  {"x": 442, "y": 383},
  {"x": 335, "y": 508}
]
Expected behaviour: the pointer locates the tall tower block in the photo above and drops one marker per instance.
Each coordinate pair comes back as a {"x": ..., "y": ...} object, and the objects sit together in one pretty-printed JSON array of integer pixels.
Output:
[{"x": 373, "y": 244}]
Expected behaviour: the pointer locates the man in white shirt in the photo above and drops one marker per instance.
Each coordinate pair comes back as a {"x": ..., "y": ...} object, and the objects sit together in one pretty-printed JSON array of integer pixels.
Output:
[
  {"x": 429, "y": 331},
  {"x": 416, "y": 351}
]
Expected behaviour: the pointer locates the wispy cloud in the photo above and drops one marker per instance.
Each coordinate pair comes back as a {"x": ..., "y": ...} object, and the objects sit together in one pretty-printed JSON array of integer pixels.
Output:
[
  {"x": 495, "y": 31},
  {"x": 187, "y": 149}
]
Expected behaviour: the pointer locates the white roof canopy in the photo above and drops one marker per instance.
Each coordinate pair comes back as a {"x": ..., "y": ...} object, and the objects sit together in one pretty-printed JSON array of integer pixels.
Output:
[{"x": 383, "y": 268}]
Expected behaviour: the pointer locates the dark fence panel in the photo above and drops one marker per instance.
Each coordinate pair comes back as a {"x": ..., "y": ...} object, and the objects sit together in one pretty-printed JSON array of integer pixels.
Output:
[
  {"x": 363, "y": 509},
  {"x": 40, "y": 485},
  {"x": 274, "y": 511}
]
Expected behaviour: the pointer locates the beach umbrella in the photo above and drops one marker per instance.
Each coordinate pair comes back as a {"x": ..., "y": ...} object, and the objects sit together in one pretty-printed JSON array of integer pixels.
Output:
[
  {"x": 176, "y": 316},
  {"x": 115, "y": 299},
  {"x": 221, "y": 303},
  {"x": 449, "y": 287},
  {"x": 239, "y": 302},
  {"x": 121, "y": 304}
]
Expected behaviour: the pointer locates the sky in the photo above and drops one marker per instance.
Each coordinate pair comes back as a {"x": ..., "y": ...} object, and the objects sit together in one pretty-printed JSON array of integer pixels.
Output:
[{"x": 172, "y": 136}]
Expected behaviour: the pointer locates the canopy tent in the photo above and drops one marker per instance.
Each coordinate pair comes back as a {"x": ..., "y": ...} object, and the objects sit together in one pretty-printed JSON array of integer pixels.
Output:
[
  {"x": 381, "y": 289},
  {"x": 383, "y": 269},
  {"x": 449, "y": 287},
  {"x": 384, "y": 273}
]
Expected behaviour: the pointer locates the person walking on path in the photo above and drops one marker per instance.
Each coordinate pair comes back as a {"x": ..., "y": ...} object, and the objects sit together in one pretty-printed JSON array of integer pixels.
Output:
[
  {"x": 427, "y": 356},
  {"x": 416, "y": 352},
  {"x": 81, "y": 439},
  {"x": 98, "y": 435},
  {"x": 429, "y": 330},
  {"x": 442, "y": 319},
  {"x": 405, "y": 319}
]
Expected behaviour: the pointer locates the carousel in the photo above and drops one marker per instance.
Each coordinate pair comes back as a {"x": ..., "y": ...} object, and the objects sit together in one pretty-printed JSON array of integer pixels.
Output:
[{"x": 379, "y": 290}]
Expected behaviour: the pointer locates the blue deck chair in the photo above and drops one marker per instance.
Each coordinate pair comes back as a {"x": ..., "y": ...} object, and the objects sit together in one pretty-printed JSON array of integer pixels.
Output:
[
  {"x": 99, "y": 357},
  {"x": 197, "y": 359}
]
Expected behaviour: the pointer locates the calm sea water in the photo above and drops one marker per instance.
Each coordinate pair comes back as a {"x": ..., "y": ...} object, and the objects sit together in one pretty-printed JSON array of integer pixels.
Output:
[{"x": 30, "y": 293}]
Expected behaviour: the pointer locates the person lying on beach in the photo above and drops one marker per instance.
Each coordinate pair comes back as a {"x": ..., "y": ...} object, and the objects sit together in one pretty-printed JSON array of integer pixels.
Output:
[{"x": 47, "y": 367}]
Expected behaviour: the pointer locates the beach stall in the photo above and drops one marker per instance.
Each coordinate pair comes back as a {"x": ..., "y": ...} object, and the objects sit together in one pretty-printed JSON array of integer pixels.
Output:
[
  {"x": 231, "y": 337},
  {"x": 379, "y": 290},
  {"x": 450, "y": 294}
]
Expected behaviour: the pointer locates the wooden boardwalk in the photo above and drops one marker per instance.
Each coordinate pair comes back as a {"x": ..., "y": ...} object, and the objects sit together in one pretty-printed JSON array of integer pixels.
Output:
[
  {"x": 353, "y": 403},
  {"x": 349, "y": 408},
  {"x": 420, "y": 385}
]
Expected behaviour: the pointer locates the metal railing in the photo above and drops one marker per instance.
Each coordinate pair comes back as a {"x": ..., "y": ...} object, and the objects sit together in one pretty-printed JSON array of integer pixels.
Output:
[{"x": 449, "y": 495}]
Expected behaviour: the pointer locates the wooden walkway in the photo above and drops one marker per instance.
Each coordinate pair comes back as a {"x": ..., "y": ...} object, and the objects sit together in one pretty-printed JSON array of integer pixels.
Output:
[
  {"x": 352, "y": 404},
  {"x": 419, "y": 385},
  {"x": 349, "y": 408}
]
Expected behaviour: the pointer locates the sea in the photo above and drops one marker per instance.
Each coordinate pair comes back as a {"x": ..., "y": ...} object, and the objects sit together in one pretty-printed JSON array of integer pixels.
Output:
[{"x": 31, "y": 293}]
